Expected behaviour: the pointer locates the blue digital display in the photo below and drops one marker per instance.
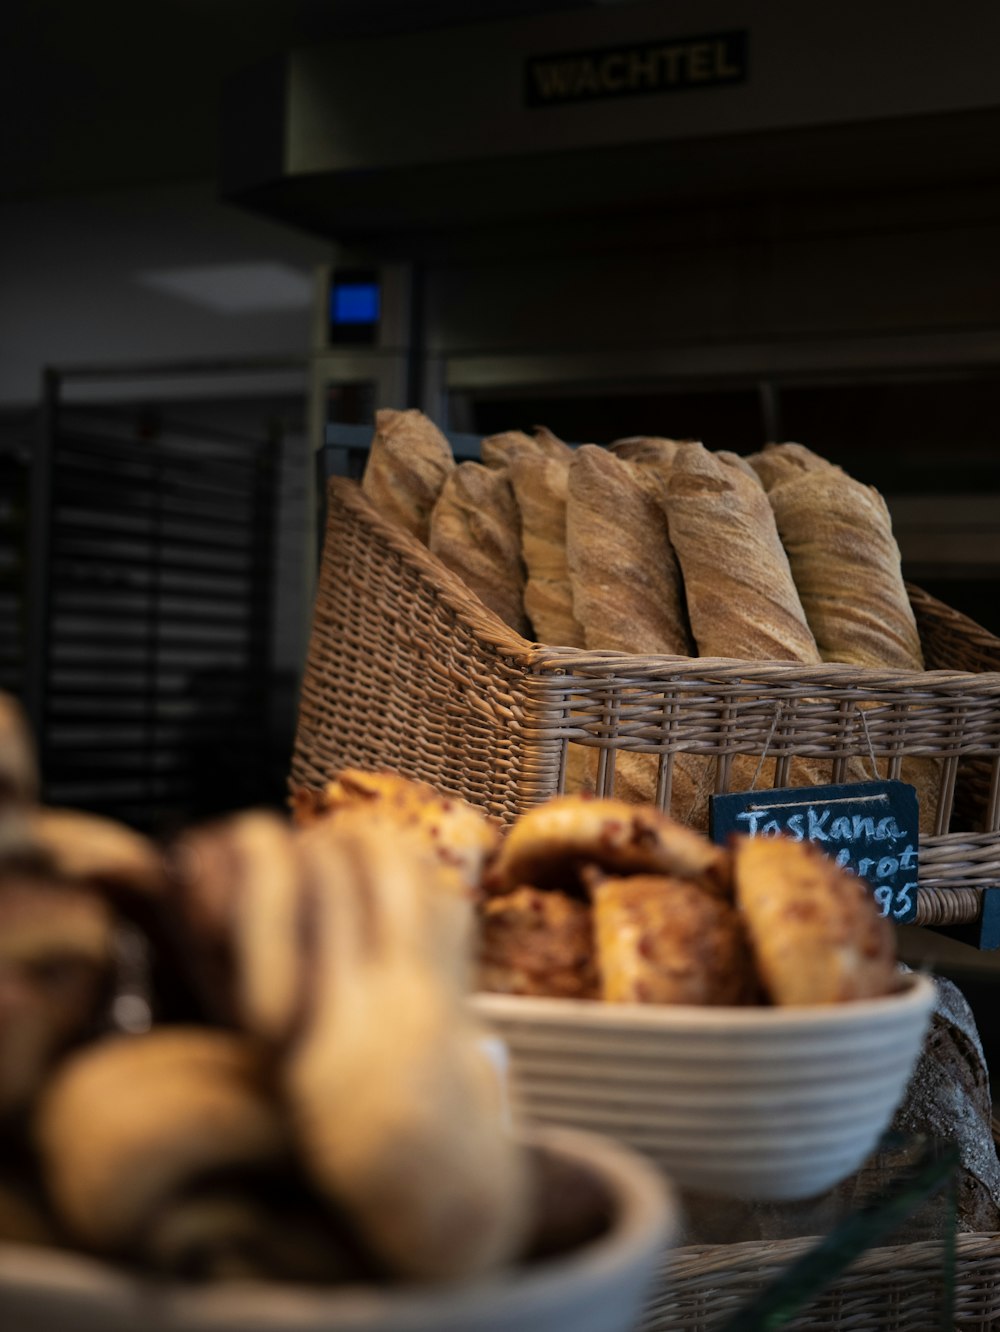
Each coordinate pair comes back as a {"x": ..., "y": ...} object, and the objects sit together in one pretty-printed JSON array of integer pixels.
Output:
[{"x": 354, "y": 303}]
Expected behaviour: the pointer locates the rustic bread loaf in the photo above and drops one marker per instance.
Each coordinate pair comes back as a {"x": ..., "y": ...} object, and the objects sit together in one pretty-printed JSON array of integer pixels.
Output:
[
  {"x": 741, "y": 598},
  {"x": 475, "y": 529},
  {"x": 407, "y": 466},
  {"x": 501, "y": 450},
  {"x": 782, "y": 462},
  {"x": 647, "y": 449},
  {"x": 948, "y": 1097},
  {"x": 626, "y": 584},
  {"x": 541, "y": 487},
  {"x": 844, "y": 559}
]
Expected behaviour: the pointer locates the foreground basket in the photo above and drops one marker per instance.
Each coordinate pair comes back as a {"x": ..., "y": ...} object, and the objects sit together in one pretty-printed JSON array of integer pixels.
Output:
[
  {"x": 896, "y": 1288},
  {"x": 407, "y": 669}
]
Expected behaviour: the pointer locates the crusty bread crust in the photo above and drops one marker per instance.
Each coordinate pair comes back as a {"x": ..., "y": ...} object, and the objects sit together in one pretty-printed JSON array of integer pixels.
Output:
[{"x": 814, "y": 928}]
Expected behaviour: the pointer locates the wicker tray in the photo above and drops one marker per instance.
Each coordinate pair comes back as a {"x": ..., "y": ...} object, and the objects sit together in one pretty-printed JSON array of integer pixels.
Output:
[{"x": 407, "y": 669}]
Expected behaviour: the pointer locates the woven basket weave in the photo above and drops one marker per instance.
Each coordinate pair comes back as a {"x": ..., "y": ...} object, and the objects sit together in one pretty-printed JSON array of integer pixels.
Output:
[
  {"x": 896, "y": 1288},
  {"x": 408, "y": 670}
]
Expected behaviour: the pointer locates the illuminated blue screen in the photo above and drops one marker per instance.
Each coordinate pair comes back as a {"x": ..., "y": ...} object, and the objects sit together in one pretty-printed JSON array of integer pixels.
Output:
[{"x": 354, "y": 303}]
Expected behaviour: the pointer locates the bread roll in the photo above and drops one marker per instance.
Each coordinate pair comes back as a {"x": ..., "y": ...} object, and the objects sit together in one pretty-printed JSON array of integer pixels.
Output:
[
  {"x": 665, "y": 941},
  {"x": 459, "y": 835},
  {"x": 417, "y": 1149},
  {"x": 741, "y": 598},
  {"x": 475, "y": 529},
  {"x": 407, "y": 466},
  {"x": 241, "y": 901},
  {"x": 627, "y": 592},
  {"x": 815, "y": 931},
  {"x": 548, "y": 845},
  {"x": 56, "y": 967},
  {"x": 537, "y": 943},
  {"x": 132, "y": 1122},
  {"x": 91, "y": 849}
]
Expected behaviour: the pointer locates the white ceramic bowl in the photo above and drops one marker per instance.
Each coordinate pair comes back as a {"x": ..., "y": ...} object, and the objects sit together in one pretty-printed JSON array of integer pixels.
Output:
[
  {"x": 598, "y": 1288},
  {"x": 758, "y": 1103}
]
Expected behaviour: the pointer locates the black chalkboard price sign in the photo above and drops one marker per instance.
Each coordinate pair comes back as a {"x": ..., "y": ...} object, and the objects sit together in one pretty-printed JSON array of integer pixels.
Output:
[{"x": 870, "y": 828}]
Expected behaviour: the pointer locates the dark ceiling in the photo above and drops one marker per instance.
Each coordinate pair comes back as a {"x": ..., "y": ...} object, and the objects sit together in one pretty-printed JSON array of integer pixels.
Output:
[{"x": 127, "y": 92}]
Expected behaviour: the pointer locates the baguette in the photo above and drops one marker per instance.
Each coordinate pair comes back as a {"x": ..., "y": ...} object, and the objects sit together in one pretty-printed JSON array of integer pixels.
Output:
[
  {"x": 647, "y": 449},
  {"x": 741, "y": 598},
  {"x": 475, "y": 529},
  {"x": 846, "y": 564},
  {"x": 407, "y": 466},
  {"x": 625, "y": 579},
  {"x": 541, "y": 487},
  {"x": 844, "y": 559},
  {"x": 500, "y": 450}
]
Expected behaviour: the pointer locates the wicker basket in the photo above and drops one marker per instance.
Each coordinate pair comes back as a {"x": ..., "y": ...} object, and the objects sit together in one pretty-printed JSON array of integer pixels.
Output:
[
  {"x": 896, "y": 1288},
  {"x": 407, "y": 669}
]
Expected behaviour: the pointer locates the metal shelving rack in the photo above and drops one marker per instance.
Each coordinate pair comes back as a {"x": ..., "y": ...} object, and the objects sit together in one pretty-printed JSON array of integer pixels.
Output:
[{"x": 149, "y": 601}]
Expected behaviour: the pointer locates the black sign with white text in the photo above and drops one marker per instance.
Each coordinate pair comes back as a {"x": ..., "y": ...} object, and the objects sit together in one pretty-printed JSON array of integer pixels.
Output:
[
  {"x": 870, "y": 828},
  {"x": 642, "y": 67}
]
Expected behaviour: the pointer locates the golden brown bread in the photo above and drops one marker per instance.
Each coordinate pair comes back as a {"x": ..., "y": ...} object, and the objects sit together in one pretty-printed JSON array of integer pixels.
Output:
[
  {"x": 475, "y": 529},
  {"x": 541, "y": 487},
  {"x": 538, "y": 943},
  {"x": 647, "y": 449},
  {"x": 240, "y": 899},
  {"x": 417, "y": 1149},
  {"x": 844, "y": 559},
  {"x": 666, "y": 941},
  {"x": 741, "y": 598},
  {"x": 547, "y": 846},
  {"x": 627, "y": 592},
  {"x": 130, "y": 1122},
  {"x": 783, "y": 462},
  {"x": 816, "y": 933},
  {"x": 499, "y": 451},
  {"x": 456, "y": 833},
  {"x": 407, "y": 466},
  {"x": 92, "y": 849},
  {"x": 846, "y": 565},
  {"x": 56, "y": 960}
]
